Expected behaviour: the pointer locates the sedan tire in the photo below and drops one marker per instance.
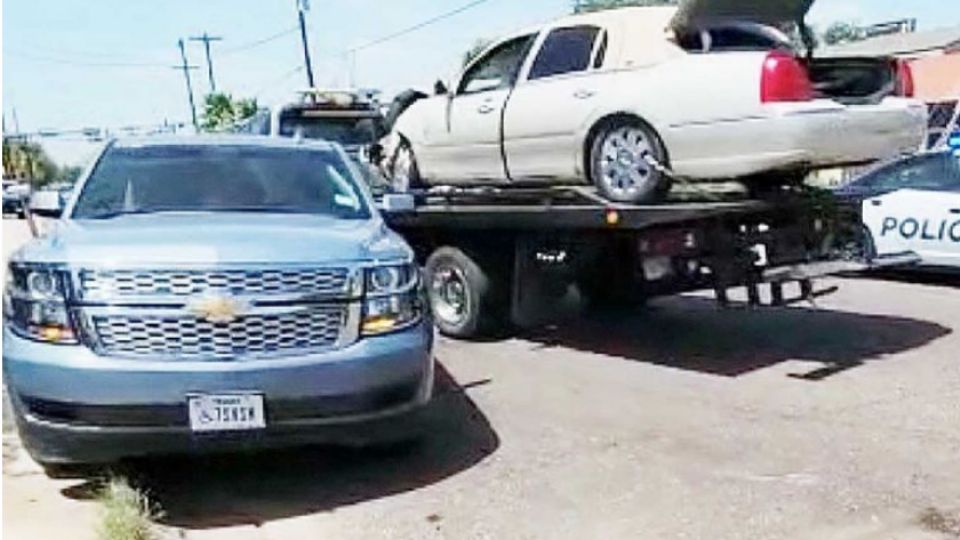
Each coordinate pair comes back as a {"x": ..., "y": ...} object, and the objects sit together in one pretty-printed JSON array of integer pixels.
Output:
[
  {"x": 620, "y": 165},
  {"x": 404, "y": 173}
]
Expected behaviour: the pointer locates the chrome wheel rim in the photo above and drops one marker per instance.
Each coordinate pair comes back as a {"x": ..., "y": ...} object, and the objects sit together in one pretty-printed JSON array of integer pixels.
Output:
[
  {"x": 624, "y": 170},
  {"x": 449, "y": 295}
]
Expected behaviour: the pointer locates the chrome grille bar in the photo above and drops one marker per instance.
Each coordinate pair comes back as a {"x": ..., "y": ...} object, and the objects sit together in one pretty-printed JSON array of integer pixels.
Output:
[
  {"x": 110, "y": 284},
  {"x": 172, "y": 335}
]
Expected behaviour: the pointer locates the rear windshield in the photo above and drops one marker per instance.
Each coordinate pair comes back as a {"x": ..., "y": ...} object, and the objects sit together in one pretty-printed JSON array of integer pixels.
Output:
[
  {"x": 733, "y": 37},
  {"x": 348, "y": 131},
  {"x": 220, "y": 178}
]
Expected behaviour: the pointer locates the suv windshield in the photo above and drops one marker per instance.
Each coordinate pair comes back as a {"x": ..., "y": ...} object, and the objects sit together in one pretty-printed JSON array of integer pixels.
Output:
[{"x": 220, "y": 178}]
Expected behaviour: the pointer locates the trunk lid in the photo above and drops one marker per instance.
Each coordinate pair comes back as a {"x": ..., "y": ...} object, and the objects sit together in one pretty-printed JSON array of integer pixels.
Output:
[{"x": 769, "y": 12}]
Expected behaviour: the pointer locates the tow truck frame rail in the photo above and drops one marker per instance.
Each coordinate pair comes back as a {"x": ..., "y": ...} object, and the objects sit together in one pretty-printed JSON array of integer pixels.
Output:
[{"x": 524, "y": 256}]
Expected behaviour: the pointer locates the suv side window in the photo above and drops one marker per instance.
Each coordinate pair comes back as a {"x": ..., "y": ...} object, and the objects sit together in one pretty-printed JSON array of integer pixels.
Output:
[
  {"x": 498, "y": 69},
  {"x": 922, "y": 172},
  {"x": 566, "y": 50}
]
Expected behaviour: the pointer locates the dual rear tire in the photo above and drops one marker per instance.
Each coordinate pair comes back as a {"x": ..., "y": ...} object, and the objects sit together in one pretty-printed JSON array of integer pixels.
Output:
[{"x": 467, "y": 300}]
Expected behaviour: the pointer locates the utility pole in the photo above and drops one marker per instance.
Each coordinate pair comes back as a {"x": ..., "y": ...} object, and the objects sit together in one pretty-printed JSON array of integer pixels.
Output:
[
  {"x": 303, "y": 6},
  {"x": 206, "y": 45},
  {"x": 186, "y": 75}
]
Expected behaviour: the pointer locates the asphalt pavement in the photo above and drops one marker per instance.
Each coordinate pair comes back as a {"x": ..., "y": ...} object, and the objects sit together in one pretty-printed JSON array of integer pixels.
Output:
[{"x": 681, "y": 420}]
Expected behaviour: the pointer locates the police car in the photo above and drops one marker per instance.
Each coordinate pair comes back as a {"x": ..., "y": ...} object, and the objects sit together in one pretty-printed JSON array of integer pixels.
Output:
[{"x": 913, "y": 205}]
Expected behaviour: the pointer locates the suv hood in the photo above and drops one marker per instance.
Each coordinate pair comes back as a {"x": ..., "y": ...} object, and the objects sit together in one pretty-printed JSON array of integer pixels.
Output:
[
  {"x": 770, "y": 12},
  {"x": 215, "y": 239}
]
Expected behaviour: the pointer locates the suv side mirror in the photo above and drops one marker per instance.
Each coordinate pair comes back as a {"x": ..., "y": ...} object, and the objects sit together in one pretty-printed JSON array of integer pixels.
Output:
[
  {"x": 440, "y": 89},
  {"x": 46, "y": 204}
]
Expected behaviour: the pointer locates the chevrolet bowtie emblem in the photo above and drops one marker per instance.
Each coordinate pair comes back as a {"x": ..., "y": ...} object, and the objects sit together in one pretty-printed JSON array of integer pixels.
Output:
[{"x": 217, "y": 309}]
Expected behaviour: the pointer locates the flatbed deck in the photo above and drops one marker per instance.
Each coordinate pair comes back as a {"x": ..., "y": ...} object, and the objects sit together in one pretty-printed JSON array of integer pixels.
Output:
[{"x": 565, "y": 209}]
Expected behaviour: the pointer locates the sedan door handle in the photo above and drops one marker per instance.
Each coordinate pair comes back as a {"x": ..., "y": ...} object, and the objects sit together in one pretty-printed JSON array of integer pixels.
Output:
[
  {"x": 876, "y": 202},
  {"x": 485, "y": 109},
  {"x": 584, "y": 94},
  {"x": 955, "y": 210}
]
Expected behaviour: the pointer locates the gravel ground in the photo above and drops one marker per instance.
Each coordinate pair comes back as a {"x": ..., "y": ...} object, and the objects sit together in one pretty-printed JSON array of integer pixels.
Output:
[{"x": 682, "y": 421}]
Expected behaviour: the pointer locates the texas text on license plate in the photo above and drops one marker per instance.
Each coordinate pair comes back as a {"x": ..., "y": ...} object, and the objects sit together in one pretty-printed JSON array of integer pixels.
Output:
[{"x": 226, "y": 412}]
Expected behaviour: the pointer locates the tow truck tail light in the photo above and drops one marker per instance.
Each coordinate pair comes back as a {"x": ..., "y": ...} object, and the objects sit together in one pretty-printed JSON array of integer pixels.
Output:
[
  {"x": 784, "y": 78},
  {"x": 905, "y": 86}
]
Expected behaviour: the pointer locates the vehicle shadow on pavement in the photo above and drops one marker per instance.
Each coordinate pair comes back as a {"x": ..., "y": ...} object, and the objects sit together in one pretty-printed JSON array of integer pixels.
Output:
[
  {"x": 202, "y": 492},
  {"x": 693, "y": 333}
]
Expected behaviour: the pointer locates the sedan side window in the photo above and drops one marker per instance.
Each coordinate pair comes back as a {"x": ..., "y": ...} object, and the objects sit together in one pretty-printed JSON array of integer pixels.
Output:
[
  {"x": 923, "y": 172},
  {"x": 498, "y": 69},
  {"x": 566, "y": 50}
]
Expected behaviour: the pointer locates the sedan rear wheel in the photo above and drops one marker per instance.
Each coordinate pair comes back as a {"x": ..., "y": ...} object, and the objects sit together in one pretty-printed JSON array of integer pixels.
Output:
[
  {"x": 404, "y": 173},
  {"x": 621, "y": 167}
]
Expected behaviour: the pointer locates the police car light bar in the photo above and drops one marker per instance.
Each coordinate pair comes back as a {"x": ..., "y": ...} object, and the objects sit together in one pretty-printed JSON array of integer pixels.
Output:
[{"x": 954, "y": 142}]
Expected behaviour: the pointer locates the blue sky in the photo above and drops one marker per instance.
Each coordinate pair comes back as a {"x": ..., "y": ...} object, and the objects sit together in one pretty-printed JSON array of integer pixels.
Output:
[{"x": 55, "y": 51}]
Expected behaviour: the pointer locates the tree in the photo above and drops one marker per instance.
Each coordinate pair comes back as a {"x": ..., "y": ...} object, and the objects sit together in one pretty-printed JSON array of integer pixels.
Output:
[
  {"x": 68, "y": 174},
  {"x": 478, "y": 47},
  {"x": 222, "y": 111},
  {"x": 586, "y": 6},
  {"x": 28, "y": 161},
  {"x": 843, "y": 32}
]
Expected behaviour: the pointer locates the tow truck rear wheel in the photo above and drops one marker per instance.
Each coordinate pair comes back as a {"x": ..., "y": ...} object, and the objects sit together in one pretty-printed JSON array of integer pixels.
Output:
[{"x": 467, "y": 300}]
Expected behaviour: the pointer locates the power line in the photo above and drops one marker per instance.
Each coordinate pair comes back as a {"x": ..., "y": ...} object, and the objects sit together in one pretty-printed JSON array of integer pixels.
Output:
[
  {"x": 86, "y": 63},
  {"x": 186, "y": 75},
  {"x": 418, "y": 26},
  {"x": 277, "y": 81},
  {"x": 206, "y": 39},
  {"x": 303, "y": 6},
  {"x": 263, "y": 41}
]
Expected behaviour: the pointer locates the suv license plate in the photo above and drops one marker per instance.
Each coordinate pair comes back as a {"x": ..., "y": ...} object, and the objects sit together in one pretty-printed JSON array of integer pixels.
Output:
[{"x": 226, "y": 412}]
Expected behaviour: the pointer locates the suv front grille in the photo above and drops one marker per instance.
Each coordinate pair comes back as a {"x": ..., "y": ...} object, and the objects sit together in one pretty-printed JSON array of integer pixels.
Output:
[
  {"x": 113, "y": 284},
  {"x": 187, "y": 337}
]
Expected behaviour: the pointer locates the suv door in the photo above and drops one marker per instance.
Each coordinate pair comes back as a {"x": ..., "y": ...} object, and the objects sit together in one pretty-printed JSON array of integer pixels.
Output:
[
  {"x": 548, "y": 107},
  {"x": 470, "y": 147},
  {"x": 920, "y": 210}
]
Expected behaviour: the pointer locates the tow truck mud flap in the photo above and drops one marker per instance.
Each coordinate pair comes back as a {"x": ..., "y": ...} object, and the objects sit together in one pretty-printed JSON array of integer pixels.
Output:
[{"x": 544, "y": 289}]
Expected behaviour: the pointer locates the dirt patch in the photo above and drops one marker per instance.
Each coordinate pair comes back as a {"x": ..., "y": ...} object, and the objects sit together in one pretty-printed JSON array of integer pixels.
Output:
[{"x": 937, "y": 521}]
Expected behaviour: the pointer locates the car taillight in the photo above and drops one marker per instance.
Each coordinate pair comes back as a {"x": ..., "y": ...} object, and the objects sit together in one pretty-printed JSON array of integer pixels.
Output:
[
  {"x": 784, "y": 78},
  {"x": 905, "y": 87}
]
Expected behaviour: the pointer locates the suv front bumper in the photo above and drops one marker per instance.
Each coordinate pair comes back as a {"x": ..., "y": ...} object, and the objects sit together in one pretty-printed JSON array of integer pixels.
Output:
[{"x": 73, "y": 406}]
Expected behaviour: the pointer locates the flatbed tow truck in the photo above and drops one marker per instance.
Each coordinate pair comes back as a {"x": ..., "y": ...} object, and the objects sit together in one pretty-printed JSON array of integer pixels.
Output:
[{"x": 500, "y": 257}]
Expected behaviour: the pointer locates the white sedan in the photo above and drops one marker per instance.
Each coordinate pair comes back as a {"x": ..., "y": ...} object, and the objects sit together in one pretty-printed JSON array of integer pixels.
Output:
[
  {"x": 918, "y": 210},
  {"x": 712, "y": 90}
]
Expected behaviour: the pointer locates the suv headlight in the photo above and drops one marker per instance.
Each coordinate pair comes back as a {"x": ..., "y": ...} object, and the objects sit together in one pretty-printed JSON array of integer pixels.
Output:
[
  {"x": 34, "y": 304},
  {"x": 392, "y": 298}
]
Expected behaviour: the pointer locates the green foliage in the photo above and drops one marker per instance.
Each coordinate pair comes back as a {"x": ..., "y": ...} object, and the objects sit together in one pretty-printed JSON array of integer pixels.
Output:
[
  {"x": 28, "y": 161},
  {"x": 478, "y": 47},
  {"x": 68, "y": 174},
  {"x": 126, "y": 514},
  {"x": 842, "y": 32},
  {"x": 586, "y": 6},
  {"x": 222, "y": 111}
]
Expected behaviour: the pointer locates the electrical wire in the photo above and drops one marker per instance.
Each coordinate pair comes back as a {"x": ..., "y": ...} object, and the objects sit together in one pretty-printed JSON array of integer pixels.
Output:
[
  {"x": 86, "y": 63},
  {"x": 417, "y": 26},
  {"x": 262, "y": 41}
]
